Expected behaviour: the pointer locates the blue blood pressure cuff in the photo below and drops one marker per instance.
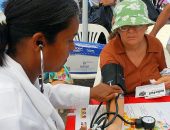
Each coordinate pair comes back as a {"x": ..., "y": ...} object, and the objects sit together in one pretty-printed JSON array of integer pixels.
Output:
[{"x": 112, "y": 74}]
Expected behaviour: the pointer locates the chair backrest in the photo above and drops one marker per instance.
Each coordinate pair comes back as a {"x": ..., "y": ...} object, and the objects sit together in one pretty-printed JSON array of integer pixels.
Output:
[
  {"x": 94, "y": 31},
  {"x": 167, "y": 57},
  {"x": 98, "y": 78}
]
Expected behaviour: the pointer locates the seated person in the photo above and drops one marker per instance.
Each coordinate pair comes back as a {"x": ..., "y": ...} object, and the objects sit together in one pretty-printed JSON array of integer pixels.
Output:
[
  {"x": 140, "y": 55},
  {"x": 62, "y": 76},
  {"x": 101, "y": 16}
]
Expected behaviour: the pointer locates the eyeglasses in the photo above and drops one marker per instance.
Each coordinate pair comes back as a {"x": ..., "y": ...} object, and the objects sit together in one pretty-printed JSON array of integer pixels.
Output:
[{"x": 127, "y": 27}]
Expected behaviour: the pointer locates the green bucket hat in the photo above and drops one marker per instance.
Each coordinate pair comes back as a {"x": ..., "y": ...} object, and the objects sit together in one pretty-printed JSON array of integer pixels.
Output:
[{"x": 131, "y": 12}]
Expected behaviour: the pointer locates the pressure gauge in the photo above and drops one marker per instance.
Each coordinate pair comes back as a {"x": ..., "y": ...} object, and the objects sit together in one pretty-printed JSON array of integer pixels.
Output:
[{"x": 148, "y": 122}]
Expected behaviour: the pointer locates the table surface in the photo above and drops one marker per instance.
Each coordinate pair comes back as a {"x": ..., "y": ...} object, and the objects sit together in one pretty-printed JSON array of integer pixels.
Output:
[{"x": 70, "y": 123}]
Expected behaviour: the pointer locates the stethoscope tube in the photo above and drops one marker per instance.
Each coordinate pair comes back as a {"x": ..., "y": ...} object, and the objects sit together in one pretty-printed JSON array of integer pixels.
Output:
[{"x": 42, "y": 69}]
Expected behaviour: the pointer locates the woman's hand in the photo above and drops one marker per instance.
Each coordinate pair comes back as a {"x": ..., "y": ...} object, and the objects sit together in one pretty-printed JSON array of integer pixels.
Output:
[
  {"x": 108, "y": 2},
  {"x": 164, "y": 79},
  {"x": 104, "y": 92}
]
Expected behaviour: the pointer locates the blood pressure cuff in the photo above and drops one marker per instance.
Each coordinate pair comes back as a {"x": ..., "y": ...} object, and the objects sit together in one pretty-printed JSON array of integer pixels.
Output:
[{"x": 113, "y": 74}]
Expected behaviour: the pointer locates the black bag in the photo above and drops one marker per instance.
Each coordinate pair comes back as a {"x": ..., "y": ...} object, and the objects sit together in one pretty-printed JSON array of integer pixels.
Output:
[
  {"x": 101, "y": 15},
  {"x": 153, "y": 10}
]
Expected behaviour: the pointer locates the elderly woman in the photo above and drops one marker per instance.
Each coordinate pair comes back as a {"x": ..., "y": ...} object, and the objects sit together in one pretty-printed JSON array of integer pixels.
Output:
[
  {"x": 37, "y": 36},
  {"x": 141, "y": 56}
]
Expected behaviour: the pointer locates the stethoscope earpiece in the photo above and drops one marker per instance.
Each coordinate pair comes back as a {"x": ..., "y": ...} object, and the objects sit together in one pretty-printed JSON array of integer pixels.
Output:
[{"x": 40, "y": 44}]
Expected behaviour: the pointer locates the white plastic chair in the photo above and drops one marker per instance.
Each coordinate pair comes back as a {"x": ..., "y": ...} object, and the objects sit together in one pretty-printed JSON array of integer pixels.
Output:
[
  {"x": 94, "y": 31},
  {"x": 98, "y": 78},
  {"x": 163, "y": 36}
]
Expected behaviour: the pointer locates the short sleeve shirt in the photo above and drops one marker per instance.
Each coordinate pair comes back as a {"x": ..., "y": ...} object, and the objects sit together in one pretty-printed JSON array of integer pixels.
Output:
[{"x": 149, "y": 68}]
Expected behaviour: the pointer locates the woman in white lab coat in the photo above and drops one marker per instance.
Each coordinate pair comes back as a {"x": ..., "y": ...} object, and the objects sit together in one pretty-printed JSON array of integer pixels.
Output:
[{"x": 37, "y": 36}]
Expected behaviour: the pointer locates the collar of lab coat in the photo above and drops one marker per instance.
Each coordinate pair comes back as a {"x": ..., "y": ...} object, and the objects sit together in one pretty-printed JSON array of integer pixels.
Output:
[{"x": 38, "y": 99}]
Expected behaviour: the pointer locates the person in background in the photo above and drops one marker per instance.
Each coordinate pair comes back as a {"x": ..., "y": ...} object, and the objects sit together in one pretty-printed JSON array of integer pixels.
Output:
[
  {"x": 62, "y": 76},
  {"x": 110, "y": 3},
  {"x": 36, "y": 37},
  {"x": 104, "y": 2},
  {"x": 140, "y": 55},
  {"x": 101, "y": 12},
  {"x": 162, "y": 20},
  {"x": 77, "y": 1}
]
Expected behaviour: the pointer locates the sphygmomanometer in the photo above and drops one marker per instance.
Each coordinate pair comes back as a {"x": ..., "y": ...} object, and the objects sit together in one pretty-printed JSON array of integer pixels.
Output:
[{"x": 112, "y": 74}]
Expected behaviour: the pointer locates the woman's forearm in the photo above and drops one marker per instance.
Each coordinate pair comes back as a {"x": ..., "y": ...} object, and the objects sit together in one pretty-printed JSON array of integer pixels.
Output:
[
  {"x": 117, "y": 125},
  {"x": 161, "y": 21}
]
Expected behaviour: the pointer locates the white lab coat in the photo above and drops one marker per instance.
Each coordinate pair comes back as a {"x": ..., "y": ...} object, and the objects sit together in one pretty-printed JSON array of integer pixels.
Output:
[{"x": 24, "y": 107}]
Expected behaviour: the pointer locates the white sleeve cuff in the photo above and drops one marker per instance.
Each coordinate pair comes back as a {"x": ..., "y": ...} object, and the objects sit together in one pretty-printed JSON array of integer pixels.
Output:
[
  {"x": 69, "y": 96},
  {"x": 84, "y": 96}
]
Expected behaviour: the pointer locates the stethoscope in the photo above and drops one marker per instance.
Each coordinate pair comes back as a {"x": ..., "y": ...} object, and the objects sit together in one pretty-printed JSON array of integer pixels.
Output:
[{"x": 40, "y": 44}]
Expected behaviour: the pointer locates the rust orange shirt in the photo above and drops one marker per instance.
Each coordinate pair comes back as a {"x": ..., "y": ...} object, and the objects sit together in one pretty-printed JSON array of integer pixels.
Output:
[{"x": 149, "y": 68}]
